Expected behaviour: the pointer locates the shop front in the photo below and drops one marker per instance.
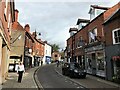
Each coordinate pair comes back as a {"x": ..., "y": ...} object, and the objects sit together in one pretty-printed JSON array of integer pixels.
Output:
[
  {"x": 116, "y": 68},
  {"x": 95, "y": 60},
  {"x": 27, "y": 62},
  {"x": 48, "y": 59}
]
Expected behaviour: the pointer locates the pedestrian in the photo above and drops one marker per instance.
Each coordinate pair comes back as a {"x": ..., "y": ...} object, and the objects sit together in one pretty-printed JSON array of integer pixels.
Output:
[
  {"x": 20, "y": 71},
  {"x": 58, "y": 63},
  {"x": 41, "y": 62}
]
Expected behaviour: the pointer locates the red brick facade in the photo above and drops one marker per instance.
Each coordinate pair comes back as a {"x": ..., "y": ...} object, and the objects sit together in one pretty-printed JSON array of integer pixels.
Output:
[{"x": 92, "y": 54}]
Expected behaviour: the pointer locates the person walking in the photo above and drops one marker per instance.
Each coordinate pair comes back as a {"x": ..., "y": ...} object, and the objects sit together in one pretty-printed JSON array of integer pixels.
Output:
[
  {"x": 20, "y": 71},
  {"x": 41, "y": 62},
  {"x": 58, "y": 63}
]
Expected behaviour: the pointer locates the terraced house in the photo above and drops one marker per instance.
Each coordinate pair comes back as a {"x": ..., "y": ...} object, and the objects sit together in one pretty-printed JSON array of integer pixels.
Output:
[
  {"x": 89, "y": 46},
  {"x": 7, "y": 17}
]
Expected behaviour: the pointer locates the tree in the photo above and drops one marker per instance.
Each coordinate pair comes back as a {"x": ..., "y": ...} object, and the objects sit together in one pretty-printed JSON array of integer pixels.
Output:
[{"x": 55, "y": 47}]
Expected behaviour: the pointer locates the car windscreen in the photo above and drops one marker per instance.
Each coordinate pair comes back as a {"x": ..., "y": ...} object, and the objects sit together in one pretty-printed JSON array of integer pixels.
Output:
[{"x": 75, "y": 65}]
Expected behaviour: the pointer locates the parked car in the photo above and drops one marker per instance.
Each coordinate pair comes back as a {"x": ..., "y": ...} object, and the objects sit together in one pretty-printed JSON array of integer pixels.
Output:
[{"x": 73, "y": 70}]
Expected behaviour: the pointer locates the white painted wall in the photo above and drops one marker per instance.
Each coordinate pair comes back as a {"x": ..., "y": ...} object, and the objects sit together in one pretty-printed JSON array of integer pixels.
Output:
[{"x": 47, "y": 52}]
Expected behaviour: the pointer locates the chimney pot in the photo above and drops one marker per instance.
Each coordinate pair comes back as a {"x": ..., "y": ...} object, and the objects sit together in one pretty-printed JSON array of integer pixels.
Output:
[
  {"x": 27, "y": 28},
  {"x": 16, "y": 15}
]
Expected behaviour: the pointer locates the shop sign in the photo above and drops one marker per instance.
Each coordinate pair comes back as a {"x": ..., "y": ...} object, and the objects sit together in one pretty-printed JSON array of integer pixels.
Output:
[{"x": 99, "y": 47}]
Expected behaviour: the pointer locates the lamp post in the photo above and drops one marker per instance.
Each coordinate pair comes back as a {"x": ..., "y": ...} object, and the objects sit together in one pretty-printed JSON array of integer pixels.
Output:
[{"x": 37, "y": 33}]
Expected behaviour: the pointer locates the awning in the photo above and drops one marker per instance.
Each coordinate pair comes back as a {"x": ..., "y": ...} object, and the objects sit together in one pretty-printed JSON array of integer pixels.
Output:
[
  {"x": 15, "y": 57},
  {"x": 116, "y": 58}
]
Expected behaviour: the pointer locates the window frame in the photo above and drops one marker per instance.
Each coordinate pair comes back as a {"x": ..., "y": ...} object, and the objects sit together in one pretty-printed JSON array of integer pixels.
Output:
[
  {"x": 113, "y": 36},
  {"x": 95, "y": 30}
]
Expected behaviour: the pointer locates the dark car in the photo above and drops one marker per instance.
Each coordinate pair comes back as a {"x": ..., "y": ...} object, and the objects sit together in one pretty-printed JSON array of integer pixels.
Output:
[{"x": 73, "y": 70}]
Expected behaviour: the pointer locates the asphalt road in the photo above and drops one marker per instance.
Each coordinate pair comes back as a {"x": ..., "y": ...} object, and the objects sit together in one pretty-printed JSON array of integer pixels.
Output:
[{"x": 50, "y": 79}]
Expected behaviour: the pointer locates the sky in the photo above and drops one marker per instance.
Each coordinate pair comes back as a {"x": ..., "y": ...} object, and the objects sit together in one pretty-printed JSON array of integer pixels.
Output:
[{"x": 53, "y": 18}]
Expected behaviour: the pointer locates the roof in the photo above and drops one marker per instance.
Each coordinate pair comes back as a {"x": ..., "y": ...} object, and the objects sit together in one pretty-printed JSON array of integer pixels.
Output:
[
  {"x": 88, "y": 24},
  {"x": 82, "y": 21},
  {"x": 39, "y": 41},
  {"x": 73, "y": 29},
  {"x": 114, "y": 15},
  {"x": 47, "y": 43},
  {"x": 29, "y": 34},
  {"x": 100, "y": 7}
]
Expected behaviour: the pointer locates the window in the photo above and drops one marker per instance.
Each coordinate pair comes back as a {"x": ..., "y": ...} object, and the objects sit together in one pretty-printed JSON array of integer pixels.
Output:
[
  {"x": 116, "y": 36},
  {"x": 80, "y": 41},
  {"x": 9, "y": 18},
  {"x": 68, "y": 48},
  {"x": 92, "y": 35},
  {"x": 5, "y": 10},
  {"x": 92, "y": 14},
  {"x": 100, "y": 61}
]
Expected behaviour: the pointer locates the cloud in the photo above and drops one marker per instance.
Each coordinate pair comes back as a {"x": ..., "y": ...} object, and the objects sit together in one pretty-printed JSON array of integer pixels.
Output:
[
  {"x": 53, "y": 19},
  {"x": 63, "y": 1}
]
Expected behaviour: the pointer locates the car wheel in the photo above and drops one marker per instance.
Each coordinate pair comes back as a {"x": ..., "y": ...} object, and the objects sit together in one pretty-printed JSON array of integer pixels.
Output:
[
  {"x": 63, "y": 73},
  {"x": 71, "y": 75},
  {"x": 84, "y": 76}
]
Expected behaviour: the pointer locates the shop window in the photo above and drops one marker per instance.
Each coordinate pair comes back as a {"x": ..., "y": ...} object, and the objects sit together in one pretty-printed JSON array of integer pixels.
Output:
[
  {"x": 89, "y": 63},
  {"x": 100, "y": 61},
  {"x": 116, "y": 65},
  {"x": 100, "y": 64}
]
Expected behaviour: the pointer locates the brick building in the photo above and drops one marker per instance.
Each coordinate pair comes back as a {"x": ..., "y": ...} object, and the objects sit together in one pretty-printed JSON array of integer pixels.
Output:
[
  {"x": 38, "y": 49},
  {"x": 17, "y": 41},
  {"x": 112, "y": 45},
  {"x": 7, "y": 16},
  {"x": 29, "y": 48},
  {"x": 56, "y": 56},
  {"x": 87, "y": 45}
]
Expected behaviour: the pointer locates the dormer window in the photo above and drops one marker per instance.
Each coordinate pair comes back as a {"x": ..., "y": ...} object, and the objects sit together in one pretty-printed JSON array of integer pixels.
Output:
[
  {"x": 81, "y": 23},
  {"x": 72, "y": 31},
  {"x": 92, "y": 13},
  {"x": 96, "y": 10}
]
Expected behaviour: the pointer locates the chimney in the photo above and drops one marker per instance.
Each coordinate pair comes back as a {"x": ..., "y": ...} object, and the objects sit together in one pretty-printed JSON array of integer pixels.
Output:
[
  {"x": 34, "y": 34},
  {"x": 16, "y": 15},
  {"x": 45, "y": 42},
  {"x": 27, "y": 28}
]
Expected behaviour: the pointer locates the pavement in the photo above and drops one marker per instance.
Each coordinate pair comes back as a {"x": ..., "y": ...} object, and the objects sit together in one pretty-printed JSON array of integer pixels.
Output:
[
  {"x": 91, "y": 81},
  {"x": 30, "y": 80}
]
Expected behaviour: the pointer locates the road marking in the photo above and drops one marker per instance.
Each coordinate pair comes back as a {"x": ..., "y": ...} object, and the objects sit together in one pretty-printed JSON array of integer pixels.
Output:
[
  {"x": 66, "y": 81},
  {"x": 78, "y": 87},
  {"x": 75, "y": 84},
  {"x": 72, "y": 81}
]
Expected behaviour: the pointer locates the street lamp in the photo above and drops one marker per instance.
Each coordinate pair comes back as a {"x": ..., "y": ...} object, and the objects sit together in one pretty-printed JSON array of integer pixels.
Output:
[{"x": 37, "y": 33}]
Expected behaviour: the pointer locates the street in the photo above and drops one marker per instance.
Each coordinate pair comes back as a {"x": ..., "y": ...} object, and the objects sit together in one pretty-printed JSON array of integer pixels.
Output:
[{"x": 48, "y": 78}]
